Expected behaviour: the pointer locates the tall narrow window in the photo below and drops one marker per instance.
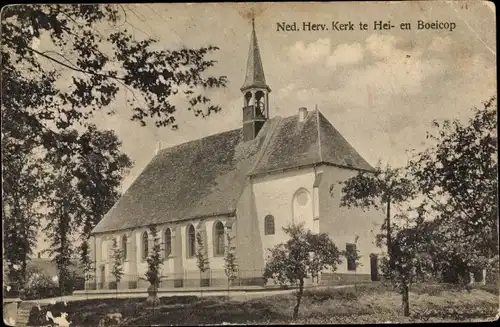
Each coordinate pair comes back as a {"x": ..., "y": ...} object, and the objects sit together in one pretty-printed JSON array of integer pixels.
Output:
[
  {"x": 104, "y": 250},
  {"x": 191, "y": 244},
  {"x": 351, "y": 256},
  {"x": 124, "y": 246},
  {"x": 168, "y": 243},
  {"x": 145, "y": 245},
  {"x": 219, "y": 239},
  {"x": 269, "y": 225}
]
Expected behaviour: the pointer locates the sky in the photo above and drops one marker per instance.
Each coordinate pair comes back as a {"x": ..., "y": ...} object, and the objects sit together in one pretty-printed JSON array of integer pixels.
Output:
[{"x": 381, "y": 89}]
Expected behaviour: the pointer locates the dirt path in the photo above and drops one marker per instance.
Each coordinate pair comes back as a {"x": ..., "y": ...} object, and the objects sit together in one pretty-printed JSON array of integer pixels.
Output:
[{"x": 235, "y": 295}]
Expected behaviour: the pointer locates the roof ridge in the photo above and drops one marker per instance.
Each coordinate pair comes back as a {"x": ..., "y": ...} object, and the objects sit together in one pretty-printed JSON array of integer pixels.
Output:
[
  {"x": 267, "y": 140},
  {"x": 319, "y": 134}
]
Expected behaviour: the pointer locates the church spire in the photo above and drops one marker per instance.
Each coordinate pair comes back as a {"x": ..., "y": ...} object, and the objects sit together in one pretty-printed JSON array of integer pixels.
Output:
[
  {"x": 255, "y": 71},
  {"x": 255, "y": 92}
]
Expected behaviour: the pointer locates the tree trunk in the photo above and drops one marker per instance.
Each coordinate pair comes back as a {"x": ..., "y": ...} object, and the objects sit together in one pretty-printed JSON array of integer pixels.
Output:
[
  {"x": 201, "y": 284},
  {"x": 299, "y": 297},
  {"x": 152, "y": 298},
  {"x": 388, "y": 227},
  {"x": 406, "y": 301}
]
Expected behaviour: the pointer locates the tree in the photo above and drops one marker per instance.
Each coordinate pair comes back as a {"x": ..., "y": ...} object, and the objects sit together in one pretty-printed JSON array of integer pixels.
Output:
[
  {"x": 22, "y": 198},
  {"x": 87, "y": 264},
  {"x": 83, "y": 68},
  {"x": 59, "y": 229},
  {"x": 86, "y": 174},
  {"x": 304, "y": 255},
  {"x": 230, "y": 264},
  {"x": 154, "y": 261},
  {"x": 411, "y": 261},
  {"x": 100, "y": 170},
  {"x": 379, "y": 189},
  {"x": 201, "y": 259},
  {"x": 117, "y": 259},
  {"x": 458, "y": 176},
  {"x": 91, "y": 45}
]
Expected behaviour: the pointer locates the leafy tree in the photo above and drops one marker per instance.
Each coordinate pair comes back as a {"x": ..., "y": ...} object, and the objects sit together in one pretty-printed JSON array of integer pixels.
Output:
[
  {"x": 230, "y": 264},
  {"x": 90, "y": 44},
  {"x": 201, "y": 258},
  {"x": 411, "y": 261},
  {"x": 87, "y": 264},
  {"x": 59, "y": 228},
  {"x": 86, "y": 173},
  {"x": 22, "y": 198},
  {"x": 458, "y": 175},
  {"x": 117, "y": 259},
  {"x": 154, "y": 261},
  {"x": 100, "y": 171},
  {"x": 379, "y": 189},
  {"x": 304, "y": 255},
  {"x": 83, "y": 68}
]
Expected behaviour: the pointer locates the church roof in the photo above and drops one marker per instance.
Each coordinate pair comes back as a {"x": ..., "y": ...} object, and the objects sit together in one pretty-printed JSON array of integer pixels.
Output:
[
  {"x": 312, "y": 141},
  {"x": 255, "y": 71},
  {"x": 206, "y": 177}
]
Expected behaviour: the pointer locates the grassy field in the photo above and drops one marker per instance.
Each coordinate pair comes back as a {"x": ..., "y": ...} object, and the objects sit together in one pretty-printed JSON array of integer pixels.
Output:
[{"x": 371, "y": 303}]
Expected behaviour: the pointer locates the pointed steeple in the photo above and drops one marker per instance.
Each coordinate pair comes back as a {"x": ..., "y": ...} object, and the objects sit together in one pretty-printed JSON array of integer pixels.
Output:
[
  {"x": 254, "y": 77},
  {"x": 255, "y": 92}
]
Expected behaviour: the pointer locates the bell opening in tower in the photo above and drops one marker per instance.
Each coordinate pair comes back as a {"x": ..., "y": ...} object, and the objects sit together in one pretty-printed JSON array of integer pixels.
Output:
[{"x": 255, "y": 92}]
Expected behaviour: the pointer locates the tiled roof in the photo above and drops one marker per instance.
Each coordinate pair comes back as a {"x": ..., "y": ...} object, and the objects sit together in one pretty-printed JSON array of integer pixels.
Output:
[
  {"x": 311, "y": 141},
  {"x": 199, "y": 178},
  {"x": 206, "y": 177},
  {"x": 49, "y": 268}
]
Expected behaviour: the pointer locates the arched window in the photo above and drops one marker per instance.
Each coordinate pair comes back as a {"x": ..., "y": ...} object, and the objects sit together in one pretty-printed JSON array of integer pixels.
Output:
[
  {"x": 248, "y": 98},
  {"x": 145, "y": 245},
  {"x": 104, "y": 250},
  {"x": 269, "y": 225},
  {"x": 259, "y": 104},
  {"x": 302, "y": 197},
  {"x": 168, "y": 242},
  {"x": 124, "y": 246},
  {"x": 219, "y": 239},
  {"x": 302, "y": 208},
  {"x": 191, "y": 244}
]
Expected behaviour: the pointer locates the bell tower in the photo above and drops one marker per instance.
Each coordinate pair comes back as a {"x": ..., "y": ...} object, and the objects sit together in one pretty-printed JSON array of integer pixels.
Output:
[{"x": 255, "y": 92}]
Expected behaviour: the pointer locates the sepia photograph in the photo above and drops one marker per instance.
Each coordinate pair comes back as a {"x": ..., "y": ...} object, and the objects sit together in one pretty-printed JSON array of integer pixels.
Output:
[{"x": 185, "y": 164}]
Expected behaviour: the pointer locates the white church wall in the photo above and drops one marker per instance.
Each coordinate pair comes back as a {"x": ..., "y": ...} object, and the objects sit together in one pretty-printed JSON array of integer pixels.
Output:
[
  {"x": 168, "y": 269},
  {"x": 274, "y": 195},
  {"x": 214, "y": 262},
  {"x": 342, "y": 223},
  {"x": 142, "y": 265},
  {"x": 248, "y": 236}
]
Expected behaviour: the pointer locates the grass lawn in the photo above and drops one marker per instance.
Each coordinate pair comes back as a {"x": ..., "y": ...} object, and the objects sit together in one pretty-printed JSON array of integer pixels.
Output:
[{"x": 372, "y": 303}]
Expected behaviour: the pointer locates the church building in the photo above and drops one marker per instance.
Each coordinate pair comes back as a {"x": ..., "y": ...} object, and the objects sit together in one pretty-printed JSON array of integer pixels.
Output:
[{"x": 249, "y": 182}]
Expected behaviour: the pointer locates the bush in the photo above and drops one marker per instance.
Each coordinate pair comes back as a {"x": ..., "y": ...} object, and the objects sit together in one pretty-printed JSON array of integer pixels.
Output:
[{"x": 39, "y": 286}]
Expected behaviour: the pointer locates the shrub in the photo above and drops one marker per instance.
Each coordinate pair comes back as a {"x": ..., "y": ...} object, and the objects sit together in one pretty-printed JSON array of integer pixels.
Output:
[{"x": 39, "y": 286}]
